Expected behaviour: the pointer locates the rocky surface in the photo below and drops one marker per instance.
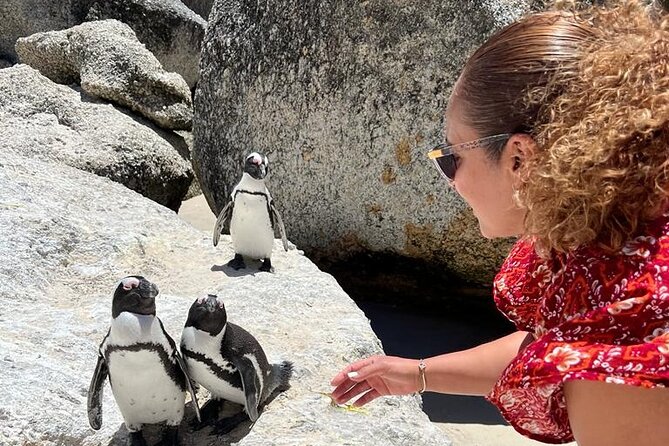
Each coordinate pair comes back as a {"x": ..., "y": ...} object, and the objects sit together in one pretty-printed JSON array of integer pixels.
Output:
[
  {"x": 201, "y": 7},
  {"x": 68, "y": 236},
  {"x": 108, "y": 61},
  {"x": 167, "y": 27},
  {"x": 21, "y": 18},
  {"x": 345, "y": 99},
  {"x": 41, "y": 119},
  {"x": 170, "y": 30}
]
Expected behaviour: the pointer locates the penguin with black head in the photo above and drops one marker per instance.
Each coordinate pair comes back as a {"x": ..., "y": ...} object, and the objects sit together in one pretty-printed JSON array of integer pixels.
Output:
[
  {"x": 147, "y": 374},
  {"x": 252, "y": 216},
  {"x": 229, "y": 362}
]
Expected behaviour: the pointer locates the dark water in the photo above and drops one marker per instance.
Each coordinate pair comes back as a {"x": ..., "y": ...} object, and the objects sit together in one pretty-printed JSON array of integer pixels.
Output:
[{"x": 416, "y": 333}]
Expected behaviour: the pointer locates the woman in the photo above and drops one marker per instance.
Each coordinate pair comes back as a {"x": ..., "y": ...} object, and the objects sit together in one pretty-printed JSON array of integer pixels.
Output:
[{"x": 558, "y": 132}]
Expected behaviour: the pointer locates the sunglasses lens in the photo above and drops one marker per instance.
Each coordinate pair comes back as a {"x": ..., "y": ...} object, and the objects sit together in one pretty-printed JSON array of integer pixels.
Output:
[{"x": 447, "y": 166}]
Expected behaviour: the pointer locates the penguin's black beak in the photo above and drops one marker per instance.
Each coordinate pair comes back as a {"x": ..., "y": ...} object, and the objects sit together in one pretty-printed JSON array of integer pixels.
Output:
[
  {"x": 153, "y": 291},
  {"x": 257, "y": 171},
  {"x": 256, "y": 166},
  {"x": 211, "y": 303},
  {"x": 148, "y": 290}
]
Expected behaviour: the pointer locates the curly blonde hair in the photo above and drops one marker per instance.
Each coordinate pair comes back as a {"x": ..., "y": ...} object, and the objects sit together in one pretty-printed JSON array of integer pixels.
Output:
[
  {"x": 603, "y": 165},
  {"x": 591, "y": 85}
]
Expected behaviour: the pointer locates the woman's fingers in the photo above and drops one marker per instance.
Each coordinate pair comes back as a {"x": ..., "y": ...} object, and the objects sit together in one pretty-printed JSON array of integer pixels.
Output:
[
  {"x": 353, "y": 380},
  {"x": 342, "y": 388},
  {"x": 366, "y": 398},
  {"x": 354, "y": 391},
  {"x": 351, "y": 371},
  {"x": 341, "y": 376}
]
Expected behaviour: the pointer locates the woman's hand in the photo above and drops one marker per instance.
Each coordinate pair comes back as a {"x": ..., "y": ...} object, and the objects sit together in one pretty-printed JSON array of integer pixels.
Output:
[{"x": 374, "y": 377}]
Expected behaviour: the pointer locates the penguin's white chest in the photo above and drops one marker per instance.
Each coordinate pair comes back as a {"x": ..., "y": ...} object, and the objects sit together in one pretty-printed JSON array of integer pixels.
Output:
[
  {"x": 250, "y": 226},
  {"x": 214, "y": 372},
  {"x": 217, "y": 385},
  {"x": 143, "y": 390}
]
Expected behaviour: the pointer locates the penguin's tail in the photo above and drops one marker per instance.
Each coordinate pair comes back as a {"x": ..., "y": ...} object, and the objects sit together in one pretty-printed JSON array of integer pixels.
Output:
[{"x": 281, "y": 374}]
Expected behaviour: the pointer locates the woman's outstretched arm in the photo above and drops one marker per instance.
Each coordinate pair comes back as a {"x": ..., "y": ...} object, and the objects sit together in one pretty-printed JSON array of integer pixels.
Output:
[{"x": 468, "y": 372}]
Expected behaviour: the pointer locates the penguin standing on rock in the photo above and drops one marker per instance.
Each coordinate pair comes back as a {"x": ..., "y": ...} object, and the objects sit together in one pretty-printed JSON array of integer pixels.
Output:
[
  {"x": 147, "y": 375},
  {"x": 229, "y": 362},
  {"x": 252, "y": 216}
]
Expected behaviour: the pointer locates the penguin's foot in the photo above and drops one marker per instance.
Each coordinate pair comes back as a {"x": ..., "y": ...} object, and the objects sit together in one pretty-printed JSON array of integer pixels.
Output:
[
  {"x": 266, "y": 265},
  {"x": 137, "y": 439},
  {"x": 237, "y": 262},
  {"x": 225, "y": 425},
  {"x": 170, "y": 436}
]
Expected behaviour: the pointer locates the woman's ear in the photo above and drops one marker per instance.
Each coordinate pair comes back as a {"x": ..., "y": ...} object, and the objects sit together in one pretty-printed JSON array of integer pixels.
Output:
[{"x": 519, "y": 149}]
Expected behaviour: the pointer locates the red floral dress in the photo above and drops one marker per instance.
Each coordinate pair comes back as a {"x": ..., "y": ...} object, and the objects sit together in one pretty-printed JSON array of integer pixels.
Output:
[{"x": 595, "y": 316}]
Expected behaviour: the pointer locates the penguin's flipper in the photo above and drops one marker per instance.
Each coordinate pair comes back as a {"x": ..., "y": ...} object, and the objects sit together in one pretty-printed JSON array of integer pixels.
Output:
[
  {"x": 223, "y": 217},
  {"x": 250, "y": 385},
  {"x": 189, "y": 384},
  {"x": 276, "y": 217},
  {"x": 95, "y": 393},
  {"x": 176, "y": 356}
]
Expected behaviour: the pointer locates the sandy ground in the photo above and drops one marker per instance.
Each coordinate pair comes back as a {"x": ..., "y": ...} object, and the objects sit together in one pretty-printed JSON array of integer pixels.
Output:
[
  {"x": 486, "y": 435},
  {"x": 196, "y": 211}
]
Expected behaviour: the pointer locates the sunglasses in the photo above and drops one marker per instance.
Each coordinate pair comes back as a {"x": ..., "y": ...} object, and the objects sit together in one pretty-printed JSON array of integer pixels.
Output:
[{"x": 444, "y": 158}]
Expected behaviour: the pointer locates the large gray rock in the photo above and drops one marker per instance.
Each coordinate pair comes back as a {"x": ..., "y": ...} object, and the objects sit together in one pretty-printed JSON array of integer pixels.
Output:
[
  {"x": 109, "y": 62},
  {"x": 168, "y": 28},
  {"x": 39, "y": 118},
  {"x": 345, "y": 97},
  {"x": 201, "y": 7},
  {"x": 21, "y": 18},
  {"x": 68, "y": 236}
]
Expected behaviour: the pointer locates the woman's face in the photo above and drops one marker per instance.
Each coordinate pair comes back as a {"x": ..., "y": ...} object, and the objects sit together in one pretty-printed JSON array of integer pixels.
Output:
[{"x": 487, "y": 186}]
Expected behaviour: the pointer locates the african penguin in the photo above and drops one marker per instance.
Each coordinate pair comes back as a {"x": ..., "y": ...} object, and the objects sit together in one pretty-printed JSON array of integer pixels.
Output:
[
  {"x": 252, "y": 216},
  {"x": 229, "y": 362},
  {"x": 147, "y": 375}
]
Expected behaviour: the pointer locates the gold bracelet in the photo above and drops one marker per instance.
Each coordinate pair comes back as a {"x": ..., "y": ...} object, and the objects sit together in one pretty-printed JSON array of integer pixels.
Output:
[{"x": 421, "y": 375}]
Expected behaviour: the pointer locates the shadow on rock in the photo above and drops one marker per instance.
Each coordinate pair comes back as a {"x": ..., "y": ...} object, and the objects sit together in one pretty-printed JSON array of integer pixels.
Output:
[
  {"x": 188, "y": 435},
  {"x": 252, "y": 267}
]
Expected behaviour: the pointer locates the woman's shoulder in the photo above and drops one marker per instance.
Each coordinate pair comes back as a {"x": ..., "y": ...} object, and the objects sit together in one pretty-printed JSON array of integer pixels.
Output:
[
  {"x": 649, "y": 246},
  {"x": 520, "y": 282},
  {"x": 527, "y": 281}
]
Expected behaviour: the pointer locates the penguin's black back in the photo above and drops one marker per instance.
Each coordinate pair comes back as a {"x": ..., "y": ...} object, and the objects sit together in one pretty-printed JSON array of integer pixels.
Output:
[{"x": 239, "y": 342}]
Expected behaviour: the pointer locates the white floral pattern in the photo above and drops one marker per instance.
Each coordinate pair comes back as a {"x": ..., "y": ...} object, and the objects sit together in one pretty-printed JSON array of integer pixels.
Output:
[
  {"x": 563, "y": 357},
  {"x": 656, "y": 334},
  {"x": 623, "y": 305},
  {"x": 596, "y": 316},
  {"x": 640, "y": 246}
]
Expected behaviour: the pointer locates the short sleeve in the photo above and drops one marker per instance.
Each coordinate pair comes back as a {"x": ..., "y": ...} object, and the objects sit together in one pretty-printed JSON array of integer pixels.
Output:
[
  {"x": 601, "y": 316},
  {"x": 519, "y": 286}
]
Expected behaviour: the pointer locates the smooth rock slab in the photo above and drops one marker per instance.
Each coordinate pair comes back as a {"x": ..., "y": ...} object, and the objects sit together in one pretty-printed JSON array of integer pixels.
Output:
[{"x": 69, "y": 236}]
